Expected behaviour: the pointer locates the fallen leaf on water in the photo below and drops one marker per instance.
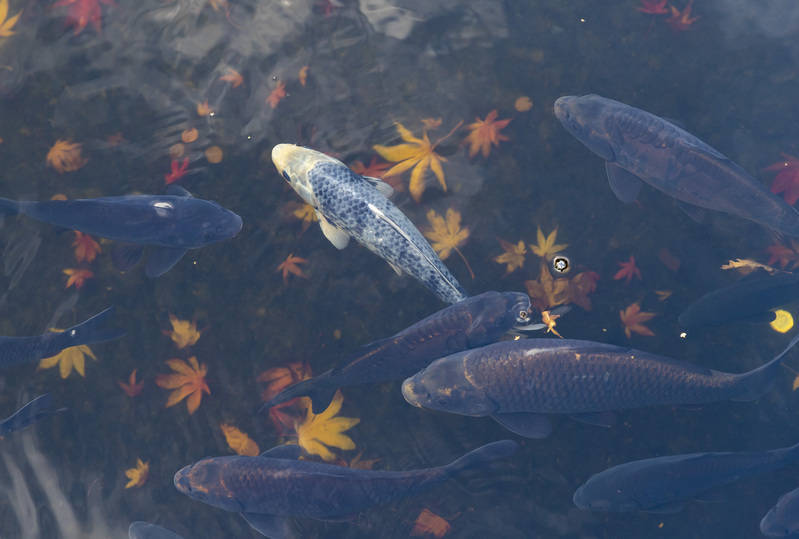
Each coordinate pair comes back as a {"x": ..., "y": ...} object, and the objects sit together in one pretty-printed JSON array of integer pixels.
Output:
[
  {"x": 233, "y": 77},
  {"x": 429, "y": 523},
  {"x": 580, "y": 286},
  {"x": 447, "y": 235},
  {"x": 138, "y": 475},
  {"x": 290, "y": 266},
  {"x": 681, "y": 20},
  {"x": 547, "y": 292},
  {"x": 628, "y": 271},
  {"x": 787, "y": 179},
  {"x": 65, "y": 156},
  {"x": 375, "y": 168},
  {"x": 305, "y": 213},
  {"x": 432, "y": 123},
  {"x": 795, "y": 384},
  {"x": 319, "y": 432},
  {"x": 277, "y": 94},
  {"x": 183, "y": 332},
  {"x": 663, "y": 295},
  {"x": 83, "y": 12},
  {"x": 7, "y": 24},
  {"x": 303, "y": 75},
  {"x": 485, "y": 133},
  {"x": 132, "y": 388},
  {"x": 747, "y": 266},
  {"x": 239, "y": 441},
  {"x": 77, "y": 276},
  {"x": 783, "y": 321},
  {"x": 653, "y": 7},
  {"x": 189, "y": 135},
  {"x": 177, "y": 170},
  {"x": 633, "y": 318},
  {"x": 213, "y": 154},
  {"x": 548, "y": 319},
  {"x": 68, "y": 358},
  {"x": 204, "y": 109},
  {"x": 286, "y": 414},
  {"x": 86, "y": 248},
  {"x": 546, "y": 246},
  {"x": 188, "y": 380},
  {"x": 523, "y": 104},
  {"x": 513, "y": 256}
]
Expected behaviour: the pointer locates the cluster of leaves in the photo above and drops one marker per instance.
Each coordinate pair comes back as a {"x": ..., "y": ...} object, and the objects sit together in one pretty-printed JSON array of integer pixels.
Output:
[{"x": 679, "y": 20}]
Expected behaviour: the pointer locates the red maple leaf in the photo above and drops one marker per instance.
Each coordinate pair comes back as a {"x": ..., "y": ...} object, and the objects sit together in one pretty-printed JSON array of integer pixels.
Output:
[
  {"x": 628, "y": 270},
  {"x": 83, "y": 12},
  {"x": 787, "y": 179},
  {"x": 653, "y": 7},
  {"x": 681, "y": 20},
  {"x": 178, "y": 170}
]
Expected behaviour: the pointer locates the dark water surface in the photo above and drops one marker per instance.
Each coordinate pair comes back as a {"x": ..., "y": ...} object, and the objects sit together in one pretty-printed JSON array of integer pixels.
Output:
[{"x": 730, "y": 78}]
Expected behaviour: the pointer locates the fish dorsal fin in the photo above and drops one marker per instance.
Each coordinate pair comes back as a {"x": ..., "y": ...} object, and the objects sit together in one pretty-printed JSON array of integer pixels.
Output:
[
  {"x": 285, "y": 451},
  {"x": 337, "y": 237},
  {"x": 383, "y": 217},
  {"x": 624, "y": 184},
  {"x": 385, "y": 189},
  {"x": 177, "y": 191}
]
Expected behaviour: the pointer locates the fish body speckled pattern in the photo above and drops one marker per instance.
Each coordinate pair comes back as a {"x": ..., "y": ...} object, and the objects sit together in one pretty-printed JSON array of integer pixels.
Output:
[{"x": 349, "y": 205}]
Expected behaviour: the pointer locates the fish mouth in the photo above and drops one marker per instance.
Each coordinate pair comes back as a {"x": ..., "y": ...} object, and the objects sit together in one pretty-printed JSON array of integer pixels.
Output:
[
  {"x": 408, "y": 393},
  {"x": 181, "y": 480},
  {"x": 561, "y": 106},
  {"x": 282, "y": 155}
]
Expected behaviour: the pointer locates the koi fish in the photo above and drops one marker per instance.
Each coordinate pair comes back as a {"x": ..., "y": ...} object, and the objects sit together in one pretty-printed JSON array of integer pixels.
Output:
[
  {"x": 349, "y": 205},
  {"x": 36, "y": 409},
  {"x": 274, "y": 485},
  {"x": 639, "y": 147},
  {"x": 517, "y": 382}
]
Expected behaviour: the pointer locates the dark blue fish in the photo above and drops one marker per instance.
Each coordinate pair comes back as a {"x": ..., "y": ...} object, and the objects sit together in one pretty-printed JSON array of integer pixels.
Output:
[
  {"x": 275, "y": 485},
  {"x": 470, "y": 323},
  {"x": 640, "y": 147},
  {"x": 664, "y": 484},
  {"x": 782, "y": 520},
  {"x": 17, "y": 350},
  {"x": 517, "y": 382},
  {"x": 751, "y": 299},
  {"x": 37, "y": 409},
  {"x": 171, "y": 223},
  {"x": 145, "y": 530}
]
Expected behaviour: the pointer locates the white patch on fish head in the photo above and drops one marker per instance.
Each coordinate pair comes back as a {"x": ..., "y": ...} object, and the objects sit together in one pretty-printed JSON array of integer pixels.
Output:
[
  {"x": 294, "y": 163},
  {"x": 163, "y": 208}
]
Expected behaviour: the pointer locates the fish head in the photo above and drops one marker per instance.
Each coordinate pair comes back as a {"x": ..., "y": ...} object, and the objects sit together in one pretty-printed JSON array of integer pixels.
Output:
[
  {"x": 196, "y": 222},
  {"x": 585, "y": 117},
  {"x": 295, "y": 164},
  {"x": 781, "y": 520},
  {"x": 444, "y": 385},
  {"x": 520, "y": 308},
  {"x": 204, "y": 481},
  {"x": 597, "y": 495}
]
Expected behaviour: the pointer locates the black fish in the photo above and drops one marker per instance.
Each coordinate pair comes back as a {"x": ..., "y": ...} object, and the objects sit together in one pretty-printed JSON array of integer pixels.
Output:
[
  {"x": 37, "y": 409},
  {"x": 170, "y": 223},
  {"x": 274, "y": 485},
  {"x": 749, "y": 300},
  {"x": 664, "y": 484},
  {"x": 640, "y": 147},
  {"x": 17, "y": 350},
  {"x": 782, "y": 520},
  {"x": 516, "y": 382},
  {"x": 470, "y": 323}
]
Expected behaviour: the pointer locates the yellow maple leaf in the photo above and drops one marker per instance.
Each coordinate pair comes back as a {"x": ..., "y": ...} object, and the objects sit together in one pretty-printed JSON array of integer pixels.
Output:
[
  {"x": 320, "y": 431},
  {"x": 746, "y": 266},
  {"x": 6, "y": 24},
  {"x": 546, "y": 244},
  {"x": 547, "y": 292},
  {"x": 184, "y": 333},
  {"x": 513, "y": 255},
  {"x": 418, "y": 154},
  {"x": 187, "y": 380},
  {"x": 633, "y": 318},
  {"x": 447, "y": 235},
  {"x": 138, "y": 475},
  {"x": 66, "y": 156},
  {"x": 239, "y": 441},
  {"x": 66, "y": 359}
]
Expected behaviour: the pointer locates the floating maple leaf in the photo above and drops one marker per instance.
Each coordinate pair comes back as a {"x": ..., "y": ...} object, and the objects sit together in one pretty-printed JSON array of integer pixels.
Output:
[
  {"x": 787, "y": 179},
  {"x": 663, "y": 295},
  {"x": 77, "y": 276},
  {"x": 547, "y": 247},
  {"x": 523, "y": 104},
  {"x": 303, "y": 75},
  {"x": 429, "y": 523},
  {"x": 132, "y": 388},
  {"x": 239, "y": 441},
  {"x": 86, "y": 248},
  {"x": 747, "y": 266},
  {"x": 83, "y": 12},
  {"x": 286, "y": 414},
  {"x": 547, "y": 292},
  {"x": 784, "y": 254},
  {"x": 633, "y": 318},
  {"x": 290, "y": 265},
  {"x": 137, "y": 475},
  {"x": 447, "y": 235},
  {"x": 653, "y": 7},
  {"x": 375, "y": 168},
  {"x": 318, "y": 432},
  {"x": 177, "y": 170},
  {"x": 188, "y": 380},
  {"x": 419, "y": 154},
  {"x": 580, "y": 286},
  {"x": 513, "y": 256},
  {"x": 232, "y": 76},
  {"x": 183, "y": 332},
  {"x": 484, "y": 133},
  {"x": 628, "y": 271},
  {"x": 65, "y": 156},
  {"x": 204, "y": 109},
  {"x": 277, "y": 94},
  {"x": 6, "y": 24},
  {"x": 548, "y": 319},
  {"x": 305, "y": 213},
  {"x": 68, "y": 358},
  {"x": 681, "y": 20}
]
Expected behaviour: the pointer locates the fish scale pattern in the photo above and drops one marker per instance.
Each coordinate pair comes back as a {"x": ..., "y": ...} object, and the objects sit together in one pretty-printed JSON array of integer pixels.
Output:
[{"x": 344, "y": 198}]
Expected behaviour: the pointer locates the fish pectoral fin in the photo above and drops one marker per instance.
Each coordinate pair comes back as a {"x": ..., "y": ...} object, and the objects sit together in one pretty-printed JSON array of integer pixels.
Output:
[
  {"x": 126, "y": 255},
  {"x": 385, "y": 189},
  {"x": 624, "y": 184},
  {"x": 321, "y": 397},
  {"x": 525, "y": 424},
  {"x": 396, "y": 268},
  {"x": 666, "y": 508},
  {"x": 337, "y": 237},
  {"x": 272, "y": 526},
  {"x": 694, "y": 212},
  {"x": 600, "y": 419},
  {"x": 285, "y": 451},
  {"x": 161, "y": 260},
  {"x": 177, "y": 191}
]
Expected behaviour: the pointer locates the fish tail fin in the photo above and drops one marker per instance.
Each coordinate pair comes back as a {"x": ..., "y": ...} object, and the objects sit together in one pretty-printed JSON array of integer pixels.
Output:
[
  {"x": 38, "y": 408},
  {"x": 320, "y": 393},
  {"x": 483, "y": 455},
  {"x": 8, "y": 206},
  {"x": 93, "y": 330},
  {"x": 755, "y": 383}
]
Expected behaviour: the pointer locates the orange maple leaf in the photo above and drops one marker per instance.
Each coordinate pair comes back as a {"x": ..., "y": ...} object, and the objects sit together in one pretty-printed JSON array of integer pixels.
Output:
[
  {"x": 85, "y": 247},
  {"x": 484, "y": 133},
  {"x": 204, "y": 109},
  {"x": 132, "y": 388},
  {"x": 628, "y": 271},
  {"x": 633, "y": 319},
  {"x": 65, "y": 156},
  {"x": 289, "y": 265},
  {"x": 188, "y": 380},
  {"x": 233, "y": 77},
  {"x": 681, "y": 20},
  {"x": 429, "y": 523},
  {"x": 784, "y": 255},
  {"x": 77, "y": 276},
  {"x": 277, "y": 94}
]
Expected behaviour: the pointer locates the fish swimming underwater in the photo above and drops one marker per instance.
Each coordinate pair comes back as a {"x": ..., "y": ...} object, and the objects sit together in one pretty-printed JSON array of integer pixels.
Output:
[
  {"x": 782, "y": 520},
  {"x": 349, "y": 205},
  {"x": 470, "y": 323},
  {"x": 751, "y": 299},
  {"x": 274, "y": 485},
  {"x": 145, "y": 530},
  {"x": 517, "y": 382},
  {"x": 33, "y": 411},
  {"x": 640, "y": 147},
  {"x": 664, "y": 484},
  {"x": 171, "y": 223},
  {"x": 18, "y": 350}
]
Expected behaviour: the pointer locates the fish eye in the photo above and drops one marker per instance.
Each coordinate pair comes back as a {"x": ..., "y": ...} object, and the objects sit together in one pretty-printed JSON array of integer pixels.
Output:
[
  {"x": 286, "y": 176},
  {"x": 561, "y": 264},
  {"x": 523, "y": 315}
]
